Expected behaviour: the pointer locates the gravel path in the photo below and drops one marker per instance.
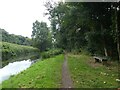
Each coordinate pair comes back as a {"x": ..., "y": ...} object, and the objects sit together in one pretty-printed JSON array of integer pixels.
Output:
[{"x": 66, "y": 79}]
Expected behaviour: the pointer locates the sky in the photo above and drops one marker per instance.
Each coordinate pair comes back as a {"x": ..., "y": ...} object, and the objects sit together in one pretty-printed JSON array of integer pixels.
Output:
[{"x": 17, "y": 16}]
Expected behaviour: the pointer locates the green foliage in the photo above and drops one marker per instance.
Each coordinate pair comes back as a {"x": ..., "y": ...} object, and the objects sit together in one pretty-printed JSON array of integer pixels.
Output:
[
  {"x": 41, "y": 36},
  {"x": 86, "y": 25},
  {"x": 17, "y": 39},
  {"x": 10, "y": 50},
  {"x": 68, "y": 25},
  {"x": 51, "y": 53},
  {"x": 87, "y": 74},
  {"x": 43, "y": 74}
]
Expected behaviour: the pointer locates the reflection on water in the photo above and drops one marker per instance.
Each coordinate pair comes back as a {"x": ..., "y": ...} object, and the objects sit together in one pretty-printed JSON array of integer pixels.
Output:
[
  {"x": 13, "y": 69},
  {"x": 20, "y": 58},
  {"x": 16, "y": 65}
]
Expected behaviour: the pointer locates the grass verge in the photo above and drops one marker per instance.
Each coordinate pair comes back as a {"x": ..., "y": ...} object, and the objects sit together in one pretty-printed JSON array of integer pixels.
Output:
[
  {"x": 43, "y": 74},
  {"x": 86, "y": 74}
]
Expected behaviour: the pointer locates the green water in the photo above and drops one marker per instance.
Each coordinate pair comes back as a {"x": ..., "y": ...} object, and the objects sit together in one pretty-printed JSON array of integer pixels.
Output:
[{"x": 20, "y": 58}]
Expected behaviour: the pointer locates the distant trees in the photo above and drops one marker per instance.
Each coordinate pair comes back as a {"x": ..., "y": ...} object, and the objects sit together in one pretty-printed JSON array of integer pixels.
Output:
[
  {"x": 17, "y": 39},
  {"x": 92, "y": 26},
  {"x": 41, "y": 36}
]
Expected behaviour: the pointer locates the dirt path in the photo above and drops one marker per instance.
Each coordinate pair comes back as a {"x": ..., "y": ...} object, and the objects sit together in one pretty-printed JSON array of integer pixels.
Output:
[{"x": 66, "y": 79}]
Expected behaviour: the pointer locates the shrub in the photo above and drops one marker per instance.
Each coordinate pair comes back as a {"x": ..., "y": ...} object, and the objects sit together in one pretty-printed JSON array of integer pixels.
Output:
[{"x": 51, "y": 53}]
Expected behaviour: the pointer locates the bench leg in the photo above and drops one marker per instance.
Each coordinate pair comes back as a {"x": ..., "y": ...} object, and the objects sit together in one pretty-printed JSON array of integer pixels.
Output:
[{"x": 96, "y": 60}]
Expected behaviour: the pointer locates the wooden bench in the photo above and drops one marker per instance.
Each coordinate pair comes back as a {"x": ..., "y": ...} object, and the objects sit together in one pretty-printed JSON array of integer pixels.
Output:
[{"x": 100, "y": 59}]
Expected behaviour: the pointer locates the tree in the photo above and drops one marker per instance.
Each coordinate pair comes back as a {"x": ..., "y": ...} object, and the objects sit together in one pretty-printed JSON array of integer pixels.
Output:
[
  {"x": 100, "y": 15},
  {"x": 17, "y": 39},
  {"x": 116, "y": 31},
  {"x": 41, "y": 35},
  {"x": 66, "y": 26},
  {"x": 86, "y": 25}
]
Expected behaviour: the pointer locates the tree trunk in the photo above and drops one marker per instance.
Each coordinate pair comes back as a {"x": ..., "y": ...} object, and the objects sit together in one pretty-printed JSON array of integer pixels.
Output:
[
  {"x": 118, "y": 48},
  {"x": 117, "y": 35},
  {"x": 103, "y": 41},
  {"x": 105, "y": 50}
]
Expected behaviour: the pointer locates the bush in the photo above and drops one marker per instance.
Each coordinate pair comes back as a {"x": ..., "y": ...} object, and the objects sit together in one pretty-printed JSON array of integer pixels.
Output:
[{"x": 51, "y": 53}]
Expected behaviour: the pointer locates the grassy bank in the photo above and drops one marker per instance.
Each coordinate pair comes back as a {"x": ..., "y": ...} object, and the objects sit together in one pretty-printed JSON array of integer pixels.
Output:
[
  {"x": 10, "y": 50},
  {"x": 43, "y": 74},
  {"x": 87, "y": 74}
]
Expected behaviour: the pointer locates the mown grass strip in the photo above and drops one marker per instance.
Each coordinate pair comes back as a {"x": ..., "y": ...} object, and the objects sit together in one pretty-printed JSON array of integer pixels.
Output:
[
  {"x": 43, "y": 74},
  {"x": 86, "y": 76}
]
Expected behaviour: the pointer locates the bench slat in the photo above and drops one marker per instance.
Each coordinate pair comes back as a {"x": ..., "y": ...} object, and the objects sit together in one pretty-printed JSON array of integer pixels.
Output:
[{"x": 100, "y": 58}]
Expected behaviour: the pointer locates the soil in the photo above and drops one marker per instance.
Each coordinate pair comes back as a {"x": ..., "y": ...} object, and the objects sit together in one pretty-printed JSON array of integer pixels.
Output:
[{"x": 66, "y": 79}]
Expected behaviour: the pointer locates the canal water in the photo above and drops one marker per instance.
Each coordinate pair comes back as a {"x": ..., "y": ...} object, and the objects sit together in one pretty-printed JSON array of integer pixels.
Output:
[{"x": 13, "y": 68}]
